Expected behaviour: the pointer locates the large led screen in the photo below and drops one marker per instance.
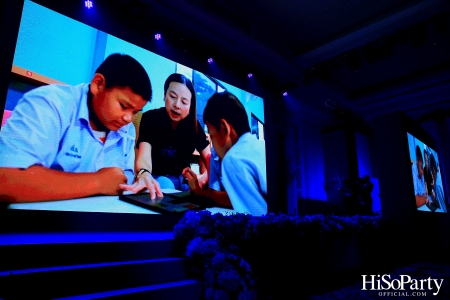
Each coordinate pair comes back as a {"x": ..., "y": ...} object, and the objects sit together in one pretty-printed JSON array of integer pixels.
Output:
[
  {"x": 54, "y": 49},
  {"x": 426, "y": 176}
]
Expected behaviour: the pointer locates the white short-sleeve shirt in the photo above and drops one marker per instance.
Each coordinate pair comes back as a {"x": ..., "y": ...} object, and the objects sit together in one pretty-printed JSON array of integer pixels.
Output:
[
  {"x": 50, "y": 127},
  {"x": 244, "y": 175}
]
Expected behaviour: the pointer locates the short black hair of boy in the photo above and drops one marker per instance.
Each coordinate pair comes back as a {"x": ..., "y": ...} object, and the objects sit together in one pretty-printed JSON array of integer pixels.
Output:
[
  {"x": 122, "y": 70},
  {"x": 226, "y": 106}
]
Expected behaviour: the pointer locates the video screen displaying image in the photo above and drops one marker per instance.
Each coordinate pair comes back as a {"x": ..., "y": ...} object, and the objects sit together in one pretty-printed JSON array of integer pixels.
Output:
[
  {"x": 427, "y": 178},
  {"x": 54, "y": 49}
]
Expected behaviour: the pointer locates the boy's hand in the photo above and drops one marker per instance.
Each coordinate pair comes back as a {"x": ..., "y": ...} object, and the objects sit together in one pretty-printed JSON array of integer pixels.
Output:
[
  {"x": 192, "y": 180},
  {"x": 110, "y": 179}
]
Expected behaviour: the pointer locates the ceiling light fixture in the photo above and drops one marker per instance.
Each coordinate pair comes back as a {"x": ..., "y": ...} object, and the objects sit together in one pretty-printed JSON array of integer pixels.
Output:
[{"x": 88, "y": 4}]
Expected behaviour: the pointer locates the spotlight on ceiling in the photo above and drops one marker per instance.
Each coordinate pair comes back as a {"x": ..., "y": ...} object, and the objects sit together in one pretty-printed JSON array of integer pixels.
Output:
[
  {"x": 88, "y": 4},
  {"x": 157, "y": 36},
  {"x": 285, "y": 94},
  {"x": 250, "y": 75},
  {"x": 210, "y": 60}
]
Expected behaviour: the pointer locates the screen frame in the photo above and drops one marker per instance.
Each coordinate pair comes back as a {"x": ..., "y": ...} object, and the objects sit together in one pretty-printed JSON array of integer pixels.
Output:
[
  {"x": 9, "y": 28},
  {"x": 418, "y": 132},
  {"x": 440, "y": 168}
]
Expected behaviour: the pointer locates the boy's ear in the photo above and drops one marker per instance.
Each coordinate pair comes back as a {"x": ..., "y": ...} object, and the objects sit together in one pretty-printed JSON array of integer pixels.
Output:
[
  {"x": 224, "y": 127},
  {"x": 97, "y": 83}
]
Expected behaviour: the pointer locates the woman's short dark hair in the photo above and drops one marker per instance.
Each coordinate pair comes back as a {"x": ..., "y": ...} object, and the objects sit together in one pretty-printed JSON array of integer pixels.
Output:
[
  {"x": 433, "y": 164},
  {"x": 122, "y": 70},
  {"x": 226, "y": 106},
  {"x": 180, "y": 78},
  {"x": 419, "y": 154}
]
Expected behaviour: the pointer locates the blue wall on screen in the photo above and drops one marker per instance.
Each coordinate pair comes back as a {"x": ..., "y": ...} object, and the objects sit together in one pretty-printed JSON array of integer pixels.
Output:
[
  {"x": 66, "y": 50},
  {"x": 157, "y": 67},
  {"x": 255, "y": 105},
  {"x": 58, "y": 47}
]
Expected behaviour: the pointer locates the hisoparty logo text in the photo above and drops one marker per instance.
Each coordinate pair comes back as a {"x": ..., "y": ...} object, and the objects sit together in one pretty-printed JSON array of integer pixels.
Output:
[{"x": 403, "y": 286}]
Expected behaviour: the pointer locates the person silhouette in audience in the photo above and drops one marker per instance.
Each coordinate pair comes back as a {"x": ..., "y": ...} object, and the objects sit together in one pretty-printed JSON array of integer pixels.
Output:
[
  {"x": 357, "y": 196},
  {"x": 350, "y": 197},
  {"x": 365, "y": 195}
]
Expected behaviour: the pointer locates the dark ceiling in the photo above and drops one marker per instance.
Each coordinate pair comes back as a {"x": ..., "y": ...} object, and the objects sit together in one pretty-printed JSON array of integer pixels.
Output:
[
  {"x": 365, "y": 57},
  {"x": 358, "y": 58}
]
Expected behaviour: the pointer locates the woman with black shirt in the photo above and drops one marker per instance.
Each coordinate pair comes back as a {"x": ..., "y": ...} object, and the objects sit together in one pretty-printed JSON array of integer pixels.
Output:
[{"x": 167, "y": 139}]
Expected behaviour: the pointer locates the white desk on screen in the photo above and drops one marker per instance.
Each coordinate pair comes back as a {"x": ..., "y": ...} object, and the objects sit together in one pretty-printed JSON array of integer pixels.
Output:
[
  {"x": 109, "y": 204},
  {"x": 425, "y": 208}
]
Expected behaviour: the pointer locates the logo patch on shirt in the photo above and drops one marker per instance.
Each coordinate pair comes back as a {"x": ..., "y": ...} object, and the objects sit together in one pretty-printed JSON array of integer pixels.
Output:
[
  {"x": 73, "y": 152},
  {"x": 168, "y": 152}
]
